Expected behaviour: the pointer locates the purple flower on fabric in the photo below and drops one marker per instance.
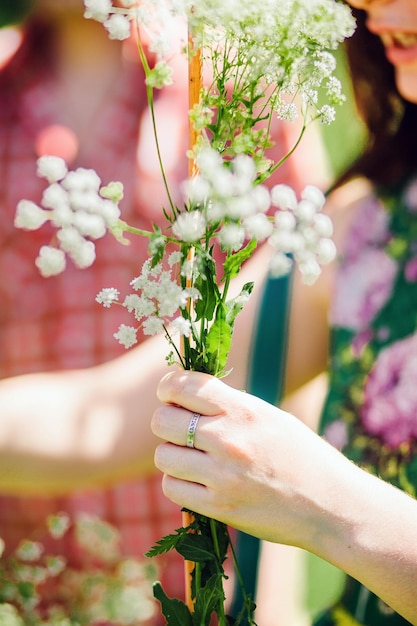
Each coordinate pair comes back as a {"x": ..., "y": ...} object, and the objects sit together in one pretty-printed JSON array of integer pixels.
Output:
[
  {"x": 367, "y": 273},
  {"x": 364, "y": 285},
  {"x": 411, "y": 196},
  {"x": 390, "y": 407},
  {"x": 336, "y": 434},
  {"x": 411, "y": 270}
]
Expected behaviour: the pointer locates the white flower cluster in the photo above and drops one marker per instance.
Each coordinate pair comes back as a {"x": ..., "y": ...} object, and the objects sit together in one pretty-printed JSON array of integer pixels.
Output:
[
  {"x": 76, "y": 205},
  {"x": 157, "y": 300},
  {"x": 115, "y": 20},
  {"x": 228, "y": 201}
]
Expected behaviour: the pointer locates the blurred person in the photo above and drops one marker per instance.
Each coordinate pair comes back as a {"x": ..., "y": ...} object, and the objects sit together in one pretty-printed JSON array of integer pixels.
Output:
[
  {"x": 74, "y": 433},
  {"x": 350, "y": 499}
]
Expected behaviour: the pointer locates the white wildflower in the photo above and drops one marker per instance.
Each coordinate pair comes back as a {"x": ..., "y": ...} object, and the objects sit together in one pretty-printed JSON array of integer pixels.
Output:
[
  {"x": 283, "y": 197},
  {"x": 232, "y": 237},
  {"x": 139, "y": 305},
  {"x": 118, "y": 26},
  {"x": 153, "y": 326},
  {"x": 315, "y": 195},
  {"x": 288, "y": 112},
  {"x": 258, "y": 227},
  {"x": 285, "y": 220},
  {"x": 323, "y": 225},
  {"x": 84, "y": 255},
  {"x": 52, "y": 168},
  {"x": 107, "y": 296},
  {"x": 126, "y": 336},
  {"x": 279, "y": 265},
  {"x": 62, "y": 216},
  {"x": 189, "y": 227},
  {"x": 305, "y": 210},
  {"x": 174, "y": 258},
  {"x": 196, "y": 189},
  {"x": 54, "y": 197},
  {"x": 97, "y": 9},
  {"x": 58, "y": 524},
  {"x": 327, "y": 114},
  {"x": 50, "y": 261},
  {"x": 29, "y": 215},
  {"x": 326, "y": 251},
  {"x": 182, "y": 325},
  {"x": 89, "y": 225},
  {"x": 310, "y": 270},
  {"x": 82, "y": 179},
  {"x": 29, "y": 550}
]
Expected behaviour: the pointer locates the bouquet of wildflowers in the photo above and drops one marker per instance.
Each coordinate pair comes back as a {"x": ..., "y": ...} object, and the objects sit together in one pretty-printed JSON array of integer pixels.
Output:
[{"x": 264, "y": 60}]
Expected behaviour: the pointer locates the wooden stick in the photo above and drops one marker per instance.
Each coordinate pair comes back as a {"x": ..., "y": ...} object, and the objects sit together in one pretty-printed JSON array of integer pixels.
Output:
[{"x": 195, "y": 82}]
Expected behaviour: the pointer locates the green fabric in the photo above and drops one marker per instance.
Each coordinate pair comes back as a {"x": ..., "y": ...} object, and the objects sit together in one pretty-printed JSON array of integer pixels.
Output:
[
  {"x": 371, "y": 407},
  {"x": 13, "y": 11},
  {"x": 266, "y": 381}
]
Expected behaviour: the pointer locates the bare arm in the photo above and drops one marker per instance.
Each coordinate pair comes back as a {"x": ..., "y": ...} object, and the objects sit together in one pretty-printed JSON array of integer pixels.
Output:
[
  {"x": 263, "y": 471},
  {"x": 64, "y": 430}
]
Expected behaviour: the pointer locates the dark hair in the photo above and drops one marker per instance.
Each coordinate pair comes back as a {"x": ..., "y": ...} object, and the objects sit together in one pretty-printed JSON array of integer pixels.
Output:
[
  {"x": 13, "y": 11},
  {"x": 390, "y": 154}
]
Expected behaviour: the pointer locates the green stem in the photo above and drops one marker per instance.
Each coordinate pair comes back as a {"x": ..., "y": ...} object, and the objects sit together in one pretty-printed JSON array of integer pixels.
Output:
[
  {"x": 246, "y": 598},
  {"x": 286, "y": 156},
  {"x": 221, "y": 612},
  {"x": 149, "y": 94}
]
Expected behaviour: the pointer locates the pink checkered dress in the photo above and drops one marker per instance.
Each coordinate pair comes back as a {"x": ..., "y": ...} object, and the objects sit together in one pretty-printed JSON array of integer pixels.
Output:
[{"x": 55, "y": 324}]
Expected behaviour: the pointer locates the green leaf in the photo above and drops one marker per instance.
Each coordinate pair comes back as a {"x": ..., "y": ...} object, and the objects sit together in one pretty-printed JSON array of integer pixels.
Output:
[
  {"x": 236, "y": 305},
  {"x": 218, "y": 342},
  {"x": 167, "y": 543},
  {"x": 175, "y": 611},
  {"x": 207, "y": 286},
  {"x": 234, "y": 262},
  {"x": 208, "y": 599},
  {"x": 195, "y": 548}
]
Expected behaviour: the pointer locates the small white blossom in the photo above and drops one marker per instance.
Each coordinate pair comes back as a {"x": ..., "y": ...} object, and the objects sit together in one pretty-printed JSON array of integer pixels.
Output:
[
  {"x": 189, "y": 227},
  {"x": 54, "y": 196},
  {"x": 118, "y": 26},
  {"x": 97, "y": 9},
  {"x": 305, "y": 210},
  {"x": 50, "y": 261},
  {"x": 29, "y": 215},
  {"x": 153, "y": 326},
  {"x": 285, "y": 220},
  {"x": 182, "y": 325},
  {"x": 323, "y": 225},
  {"x": 126, "y": 336},
  {"x": 52, "y": 168},
  {"x": 279, "y": 265},
  {"x": 82, "y": 179},
  {"x": 283, "y": 197},
  {"x": 258, "y": 227},
  {"x": 310, "y": 270},
  {"x": 327, "y": 114},
  {"x": 315, "y": 195},
  {"x": 107, "y": 296},
  {"x": 232, "y": 237},
  {"x": 29, "y": 550},
  {"x": 174, "y": 258},
  {"x": 89, "y": 225},
  {"x": 85, "y": 255},
  {"x": 326, "y": 251}
]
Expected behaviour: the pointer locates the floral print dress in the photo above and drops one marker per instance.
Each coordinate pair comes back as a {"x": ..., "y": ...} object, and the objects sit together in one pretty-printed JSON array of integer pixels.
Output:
[{"x": 371, "y": 409}]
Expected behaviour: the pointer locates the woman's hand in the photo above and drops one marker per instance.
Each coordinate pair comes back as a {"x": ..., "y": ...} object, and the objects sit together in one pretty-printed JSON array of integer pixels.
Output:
[
  {"x": 261, "y": 470},
  {"x": 254, "y": 466}
]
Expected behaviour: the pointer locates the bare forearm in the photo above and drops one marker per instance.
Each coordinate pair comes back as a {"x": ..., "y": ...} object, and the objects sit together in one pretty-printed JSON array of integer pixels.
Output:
[
  {"x": 371, "y": 533},
  {"x": 64, "y": 430}
]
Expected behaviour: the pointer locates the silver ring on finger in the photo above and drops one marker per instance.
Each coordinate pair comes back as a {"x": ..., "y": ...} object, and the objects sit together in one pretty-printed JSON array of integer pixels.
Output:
[{"x": 192, "y": 427}]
